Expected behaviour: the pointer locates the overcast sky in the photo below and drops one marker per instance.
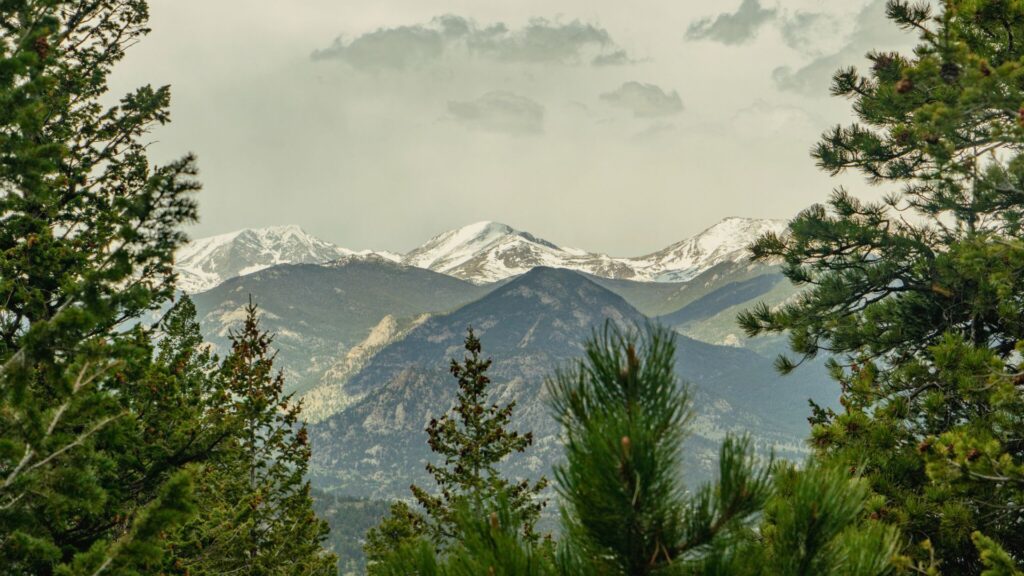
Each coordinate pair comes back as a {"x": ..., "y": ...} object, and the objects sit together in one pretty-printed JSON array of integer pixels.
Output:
[{"x": 612, "y": 126}]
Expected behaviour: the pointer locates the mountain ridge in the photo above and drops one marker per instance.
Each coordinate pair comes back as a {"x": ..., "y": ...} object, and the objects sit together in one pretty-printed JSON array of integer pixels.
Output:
[
  {"x": 531, "y": 326},
  {"x": 481, "y": 253}
]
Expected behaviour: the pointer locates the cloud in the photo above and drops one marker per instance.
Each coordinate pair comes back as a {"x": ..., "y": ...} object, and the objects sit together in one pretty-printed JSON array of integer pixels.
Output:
[
  {"x": 616, "y": 58},
  {"x": 814, "y": 33},
  {"x": 500, "y": 111},
  {"x": 644, "y": 100},
  {"x": 541, "y": 41},
  {"x": 872, "y": 31},
  {"x": 732, "y": 28},
  {"x": 396, "y": 48}
]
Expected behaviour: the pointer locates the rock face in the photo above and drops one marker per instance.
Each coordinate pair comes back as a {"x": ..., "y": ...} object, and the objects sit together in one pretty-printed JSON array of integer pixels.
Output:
[
  {"x": 332, "y": 394},
  {"x": 531, "y": 325}
]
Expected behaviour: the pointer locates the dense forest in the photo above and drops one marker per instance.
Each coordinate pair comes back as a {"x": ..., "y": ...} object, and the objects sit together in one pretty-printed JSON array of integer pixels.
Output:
[{"x": 128, "y": 447}]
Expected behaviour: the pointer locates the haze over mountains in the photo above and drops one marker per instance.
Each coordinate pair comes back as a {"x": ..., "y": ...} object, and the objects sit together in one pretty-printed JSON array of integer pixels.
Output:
[{"x": 365, "y": 337}]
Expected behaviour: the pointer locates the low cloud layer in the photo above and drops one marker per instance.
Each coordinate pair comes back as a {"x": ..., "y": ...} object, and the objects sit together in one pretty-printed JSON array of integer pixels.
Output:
[
  {"x": 541, "y": 41},
  {"x": 732, "y": 27},
  {"x": 500, "y": 111},
  {"x": 644, "y": 100}
]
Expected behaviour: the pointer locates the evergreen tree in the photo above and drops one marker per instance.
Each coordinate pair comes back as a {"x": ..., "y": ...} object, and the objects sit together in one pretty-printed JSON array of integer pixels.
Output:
[
  {"x": 402, "y": 525},
  {"x": 473, "y": 438},
  {"x": 256, "y": 514},
  {"x": 624, "y": 509},
  {"x": 491, "y": 543},
  {"x": 920, "y": 295},
  {"x": 87, "y": 242},
  {"x": 624, "y": 415}
]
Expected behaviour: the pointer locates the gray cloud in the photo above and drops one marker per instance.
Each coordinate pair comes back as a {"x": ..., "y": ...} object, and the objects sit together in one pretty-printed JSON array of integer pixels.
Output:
[
  {"x": 732, "y": 28},
  {"x": 811, "y": 32},
  {"x": 500, "y": 111},
  {"x": 872, "y": 31},
  {"x": 644, "y": 100},
  {"x": 541, "y": 41},
  {"x": 402, "y": 47},
  {"x": 616, "y": 58}
]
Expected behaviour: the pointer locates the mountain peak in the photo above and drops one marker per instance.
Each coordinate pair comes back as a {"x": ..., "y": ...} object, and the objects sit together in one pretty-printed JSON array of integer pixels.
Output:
[
  {"x": 725, "y": 241},
  {"x": 206, "y": 262},
  {"x": 481, "y": 252}
]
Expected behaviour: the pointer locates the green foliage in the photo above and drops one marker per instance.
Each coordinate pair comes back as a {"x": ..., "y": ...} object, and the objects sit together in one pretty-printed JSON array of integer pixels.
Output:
[
  {"x": 625, "y": 512},
  {"x": 88, "y": 237},
  {"x": 995, "y": 560},
  {"x": 401, "y": 525},
  {"x": 889, "y": 278},
  {"x": 256, "y": 514},
  {"x": 920, "y": 295},
  {"x": 474, "y": 437},
  {"x": 813, "y": 525},
  {"x": 624, "y": 417},
  {"x": 491, "y": 543},
  {"x": 624, "y": 508}
]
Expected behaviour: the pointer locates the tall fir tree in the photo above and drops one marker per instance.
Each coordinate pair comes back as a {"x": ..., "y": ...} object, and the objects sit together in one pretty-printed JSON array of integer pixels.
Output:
[
  {"x": 256, "y": 513},
  {"x": 87, "y": 242},
  {"x": 473, "y": 438},
  {"x": 920, "y": 296}
]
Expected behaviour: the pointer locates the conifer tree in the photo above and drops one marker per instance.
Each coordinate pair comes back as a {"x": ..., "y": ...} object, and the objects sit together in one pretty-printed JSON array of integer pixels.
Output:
[
  {"x": 87, "y": 241},
  {"x": 624, "y": 509},
  {"x": 256, "y": 514},
  {"x": 920, "y": 296},
  {"x": 624, "y": 415},
  {"x": 491, "y": 542},
  {"x": 473, "y": 438}
]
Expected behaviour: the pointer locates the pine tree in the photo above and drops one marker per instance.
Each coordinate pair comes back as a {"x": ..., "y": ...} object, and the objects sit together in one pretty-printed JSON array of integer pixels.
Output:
[
  {"x": 401, "y": 525},
  {"x": 256, "y": 513},
  {"x": 624, "y": 509},
  {"x": 87, "y": 241},
  {"x": 919, "y": 296},
  {"x": 491, "y": 543},
  {"x": 624, "y": 415},
  {"x": 473, "y": 439}
]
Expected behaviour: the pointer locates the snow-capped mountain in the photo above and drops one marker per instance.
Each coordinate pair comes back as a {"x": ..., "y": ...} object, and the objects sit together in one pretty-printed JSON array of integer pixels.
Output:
[
  {"x": 481, "y": 253},
  {"x": 207, "y": 262},
  {"x": 489, "y": 251},
  {"x": 726, "y": 241}
]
